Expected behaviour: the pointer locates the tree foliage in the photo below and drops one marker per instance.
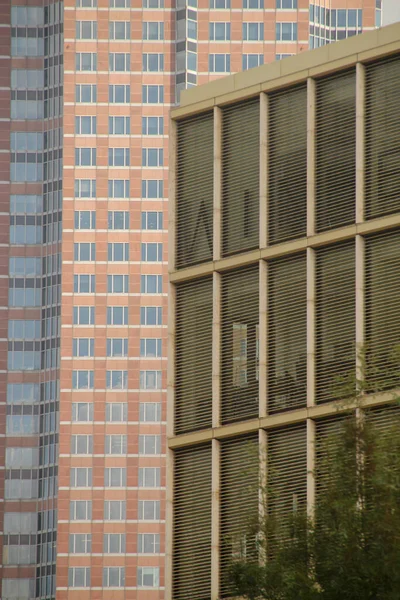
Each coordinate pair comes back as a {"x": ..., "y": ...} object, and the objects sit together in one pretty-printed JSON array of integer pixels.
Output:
[{"x": 349, "y": 549}]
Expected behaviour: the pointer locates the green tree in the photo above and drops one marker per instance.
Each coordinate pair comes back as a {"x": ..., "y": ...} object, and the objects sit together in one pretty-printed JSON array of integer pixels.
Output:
[{"x": 350, "y": 548}]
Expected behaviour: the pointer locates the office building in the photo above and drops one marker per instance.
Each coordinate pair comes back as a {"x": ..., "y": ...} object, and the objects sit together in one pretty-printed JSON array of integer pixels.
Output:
[
  {"x": 85, "y": 92},
  {"x": 284, "y": 270}
]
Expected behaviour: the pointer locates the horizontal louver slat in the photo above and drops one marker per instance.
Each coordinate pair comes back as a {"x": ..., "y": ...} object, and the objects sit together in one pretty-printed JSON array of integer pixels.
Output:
[
  {"x": 193, "y": 351},
  {"x": 240, "y": 335},
  {"x": 287, "y": 333},
  {"x": 239, "y": 502},
  {"x": 287, "y": 162},
  {"x": 335, "y": 321},
  {"x": 382, "y": 294},
  {"x": 240, "y": 176},
  {"x": 382, "y": 138},
  {"x": 335, "y": 149},
  {"x": 194, "y": 190},
  {"x": 192, "y": 524}
]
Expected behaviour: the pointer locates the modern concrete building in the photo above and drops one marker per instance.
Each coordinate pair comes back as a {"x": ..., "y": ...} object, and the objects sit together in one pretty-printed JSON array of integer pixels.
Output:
[
  {"x": 85, "y": 92},
  {"x": 284, "y": 267}
]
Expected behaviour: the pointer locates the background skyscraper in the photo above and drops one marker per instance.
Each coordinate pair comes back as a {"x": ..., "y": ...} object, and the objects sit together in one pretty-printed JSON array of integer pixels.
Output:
[{"x": 85, "y": 92}]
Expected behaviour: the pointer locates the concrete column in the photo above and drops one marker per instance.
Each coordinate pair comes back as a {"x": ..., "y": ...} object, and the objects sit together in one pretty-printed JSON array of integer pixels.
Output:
[
  {"x": 263, "y": 170},
  {"x": 311, "y": 156},
  {"x": 360, "y": 142},
  {"x": 217, "y": 183}
]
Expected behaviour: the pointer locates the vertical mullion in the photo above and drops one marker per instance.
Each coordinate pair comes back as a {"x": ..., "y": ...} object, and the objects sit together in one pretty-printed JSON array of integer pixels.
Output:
[
  {"x": 310, "y": 467},
  {"x": 263, "y": 479},
  {"x": 171, "y": 199},
  {"x": 215, "y": 518},
  {"x": 360, "y": 141},
  {"x": 169, "y": 524},
  {"x": 262, "y": 340},
  {"x": 216, "y": 351},
  {"x": 217, "y": 183},
  {"x": 360, "y": 310},
  {"x": 263, "y": 170},
  {"x": 311, "y": 327},
  {"x": 311, "y": 93}
]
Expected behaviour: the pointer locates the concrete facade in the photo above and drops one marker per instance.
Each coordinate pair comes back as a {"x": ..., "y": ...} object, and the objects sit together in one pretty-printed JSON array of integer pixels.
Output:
[{"x": 284, "y": 294}]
